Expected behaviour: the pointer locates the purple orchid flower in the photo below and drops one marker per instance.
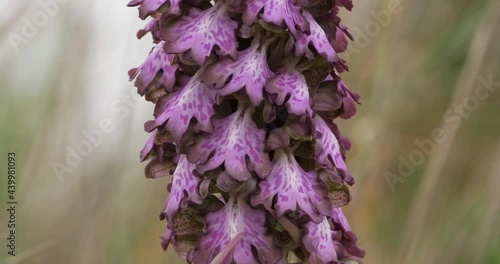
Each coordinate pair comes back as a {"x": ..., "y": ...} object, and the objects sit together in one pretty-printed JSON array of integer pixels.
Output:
[{"x": 246, "y": 93}]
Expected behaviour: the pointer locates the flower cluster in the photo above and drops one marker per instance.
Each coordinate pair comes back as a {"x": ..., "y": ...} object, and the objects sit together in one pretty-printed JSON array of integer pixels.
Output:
[{"x": 245, "y": 95}]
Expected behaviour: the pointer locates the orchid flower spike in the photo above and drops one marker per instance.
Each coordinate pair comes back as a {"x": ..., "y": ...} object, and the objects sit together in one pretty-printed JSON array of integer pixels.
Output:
[{"x": 246, "y": 93}]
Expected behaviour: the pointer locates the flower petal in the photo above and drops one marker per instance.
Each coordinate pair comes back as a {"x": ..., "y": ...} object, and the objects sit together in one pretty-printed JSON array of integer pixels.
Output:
[
  {"x": 156, "y": 169},
  {"x": 235, "y": 138},
  {"x": 148, "y": 148},
  {"x": 349, "y": 102},
  {"x": 166, "y": 237},
  {"x": 290, "y": 82},
  {"x": 195, "y": 99},
  {"x": 157, "y": 61},
  {"x": 332, "y": 240},
  {"x": 318, "y": 241},
  {"x": 200, "y": 31},
  {"x": 250, "y": 71},
  {"x": 349, "y": 240},
  {"x": 227, "y": 223},
  {"x": 276, "y": 12},
  {"x": 148, "y": 7},
  {"x": 328, "y": 151},
  {"x": 318, "y": 39},
  {"x": 184, "y": 188},
  {"x": 347, "y": 4},
  {"x": 294, "y": 189},
  {"x": 340, "y": 42},
  {"x": 219, "y": 259},
  {"x": 154, "y": 27}
]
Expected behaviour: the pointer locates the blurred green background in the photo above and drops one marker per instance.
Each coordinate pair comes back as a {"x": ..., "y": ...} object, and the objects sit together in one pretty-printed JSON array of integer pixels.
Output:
[{"x": 414, "y": 61}]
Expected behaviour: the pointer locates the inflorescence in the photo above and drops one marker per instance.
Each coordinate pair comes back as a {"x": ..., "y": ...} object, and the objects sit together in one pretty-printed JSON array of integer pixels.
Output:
[{"x": 246, "y": 92}]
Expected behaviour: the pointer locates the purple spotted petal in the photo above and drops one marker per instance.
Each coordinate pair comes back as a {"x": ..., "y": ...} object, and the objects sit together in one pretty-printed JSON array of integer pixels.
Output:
[
  {"x": 349, "y": 239},
  {"x": 332, "y": 240},
  {"x": 194, "y": 100},
  {"x": 157, "y": 61},
  {"x": 318, "y": 39},
  {"x": 318, "y": 241},
  {"x": 153, "y": 27},
  {"x": 250, "y": 71},
  {"x": 235, "y": 138},
  {"x": 294, "y": 189},
  {"x": 184, "y": 188},
  {"x": 200, "y": 32},
  {"x": 344, "y": 141},
  {"x": 148, "y": 148},
  {"x": 340, "y": 219},
  {"x": 290, "y": 82},
  {"x": 277, "y": 12},
  {"x": 328, "y": 151},
  {"x": 225, "y": 224}
]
